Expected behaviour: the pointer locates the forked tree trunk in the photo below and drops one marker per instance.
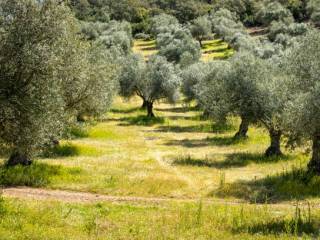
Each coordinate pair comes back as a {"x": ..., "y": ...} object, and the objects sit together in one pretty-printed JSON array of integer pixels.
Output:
[
  {"x": 18, "y": 159},
  {"x": 243, "y": 129},
  {"x": 314, "y": 164},
  {"x": 200, "y": 41},
  {"x": 275, "y": 143},
  {"x": 150, "y": 109}
]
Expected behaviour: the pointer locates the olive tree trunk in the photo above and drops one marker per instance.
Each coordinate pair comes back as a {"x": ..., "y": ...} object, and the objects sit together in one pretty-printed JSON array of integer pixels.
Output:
[
  {"x": 18, "y": 159},
  {"x": 243, "y": 129},
  {"x": 144, "y": 104},
  {"x": 150, "y": 109},
  {"x": 314, "y": 164},
  {"x": 275, "y": 143}
]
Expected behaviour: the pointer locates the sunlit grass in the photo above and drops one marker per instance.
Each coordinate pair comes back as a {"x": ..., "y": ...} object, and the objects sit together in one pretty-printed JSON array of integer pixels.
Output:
[
  {"x": 51, "y": 220},
  {"x": 211, "y": 49}
]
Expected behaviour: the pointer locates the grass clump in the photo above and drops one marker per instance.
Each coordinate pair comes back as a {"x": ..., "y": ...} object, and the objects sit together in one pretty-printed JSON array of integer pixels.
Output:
[{"x": 35, "y": 175}]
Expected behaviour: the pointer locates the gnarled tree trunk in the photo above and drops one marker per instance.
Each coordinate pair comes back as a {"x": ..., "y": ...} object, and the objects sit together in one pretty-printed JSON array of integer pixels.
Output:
[
  {"x": 275, "y": 143},
  {"x": 243, "y": 129},
  {"x": 150, "y": 109},
  {"x": 18, "y": 159},
  {"x": 314, "y": 164}
]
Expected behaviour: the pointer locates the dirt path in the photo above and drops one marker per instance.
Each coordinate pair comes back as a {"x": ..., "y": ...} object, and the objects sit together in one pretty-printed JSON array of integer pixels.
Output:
[{"x": 83, "y": 197}]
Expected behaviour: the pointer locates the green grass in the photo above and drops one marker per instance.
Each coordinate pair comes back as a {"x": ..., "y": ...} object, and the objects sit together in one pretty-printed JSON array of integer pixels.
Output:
[
  {"x": 52, "y": 220},
  {"x": 178, "y": 155},
  {"x": 36, "y": 175}
]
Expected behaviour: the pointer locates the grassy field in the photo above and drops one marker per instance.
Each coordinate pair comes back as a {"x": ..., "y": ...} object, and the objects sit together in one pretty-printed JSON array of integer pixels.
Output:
[
  {"x": 211, "y": 49},
  {"x": 177, "y": 156}
]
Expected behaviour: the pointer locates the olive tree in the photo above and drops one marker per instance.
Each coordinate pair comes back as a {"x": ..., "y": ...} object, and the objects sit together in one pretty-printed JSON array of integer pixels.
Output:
[
  {"x": 178, "y": 45},
  {"x": 201, "y": 28},
  {"x": 302, "y": 110},
  {"x": 191, "y": 76},
  {"x": 34, "y": 37},
  {"x": 274, "y": 11},
  {"x": 161, "y": 22},
  {"x": 155, "y": 80},
  {"x": 89, "y": 90},
  {"x": 313, "y": 8}
]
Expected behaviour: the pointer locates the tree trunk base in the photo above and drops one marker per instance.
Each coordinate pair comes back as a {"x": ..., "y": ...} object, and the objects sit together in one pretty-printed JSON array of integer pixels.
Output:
[
  {"x": 314, "y": 164},
  {"x": 243, "y": 130},
  {"x": 150, "y": 110},
  {"x": 275, "y": 143},
  {"x": 18, "y": 159},
  {"x": 144, "y": 105},
  {"x": 273, "y": 151}
]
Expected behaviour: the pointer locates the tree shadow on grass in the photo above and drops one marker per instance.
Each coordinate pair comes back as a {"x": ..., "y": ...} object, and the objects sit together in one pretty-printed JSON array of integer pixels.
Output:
[
  {"x": 199, "y": 128},
  {"x": 209, "y": 141},
  {"x": 287, "y": 185},
  {"x": 124, "y": 111},
  {"x": 297, "y": 225},
  {"x": 231, "y": 160},
  {"x": 177, "y": 109},
  {"x": 141, "y": 120},
  {"x": 35, "y": 175},
  {"x": 61, "y": 150}
]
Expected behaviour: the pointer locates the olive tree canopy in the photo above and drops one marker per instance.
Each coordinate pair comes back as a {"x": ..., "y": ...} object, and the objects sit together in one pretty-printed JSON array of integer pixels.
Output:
[
  {"x": 155, "y": 80},
  {"x": 302, "y": 110},
  {"x": 33, "y": 40}
]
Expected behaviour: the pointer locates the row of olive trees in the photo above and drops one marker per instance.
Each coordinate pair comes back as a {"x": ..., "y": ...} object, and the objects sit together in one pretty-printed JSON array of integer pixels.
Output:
[
  {"x": 281, "y": 93},
  {"x": 48, "y": 75}
]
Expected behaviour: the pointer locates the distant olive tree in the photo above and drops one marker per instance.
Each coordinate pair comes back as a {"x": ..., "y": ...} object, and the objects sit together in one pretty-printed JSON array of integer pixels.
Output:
[
  {"x": 201, "y": 28},
  {"x": 191, "y": 76},
  {"x": 160, "y": 23},
  {"x": 313, "y": 9},
  {"x": 302, "y": 110},
  {"x": 155, "y": 80},
  {"x": 274, "y": 11},
  {"x": 33, "y": 42}
]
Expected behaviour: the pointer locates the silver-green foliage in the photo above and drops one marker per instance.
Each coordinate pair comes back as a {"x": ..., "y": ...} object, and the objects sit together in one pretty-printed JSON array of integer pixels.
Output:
[
  {"x": 302, "y": 111},
  {"x": 274, "y": 11},
  {"x": 178, "y": 45},
  {"x": 313, "y": 8},
  {"x": 153, "y": 80},
  {"x": 33, "y": 40}
]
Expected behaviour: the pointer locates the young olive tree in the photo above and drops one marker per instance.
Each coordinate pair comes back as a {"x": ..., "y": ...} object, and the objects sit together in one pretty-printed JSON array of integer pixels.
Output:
[
  {"x": 155, "y": 80},
  {"x": 303, "y": 111},
  {"x": 33, "y": 42}
]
